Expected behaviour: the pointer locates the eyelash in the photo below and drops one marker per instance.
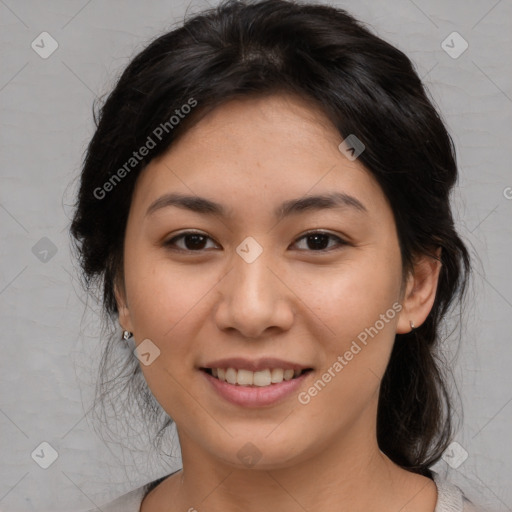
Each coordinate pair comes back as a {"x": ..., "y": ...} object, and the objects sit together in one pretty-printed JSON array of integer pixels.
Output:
[{"x": 340, "y": 242}]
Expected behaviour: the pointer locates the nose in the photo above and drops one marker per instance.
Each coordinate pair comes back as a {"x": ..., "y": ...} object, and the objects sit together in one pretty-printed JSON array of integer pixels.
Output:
[{"x": 254, "y": 299}]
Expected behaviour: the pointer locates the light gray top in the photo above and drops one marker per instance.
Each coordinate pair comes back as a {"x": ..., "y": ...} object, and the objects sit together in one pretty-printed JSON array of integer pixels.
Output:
[{"x": 449, "y": 499}]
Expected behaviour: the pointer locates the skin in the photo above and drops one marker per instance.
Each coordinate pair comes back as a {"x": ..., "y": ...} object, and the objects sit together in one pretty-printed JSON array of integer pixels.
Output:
[{"x": 293, "y": 302}]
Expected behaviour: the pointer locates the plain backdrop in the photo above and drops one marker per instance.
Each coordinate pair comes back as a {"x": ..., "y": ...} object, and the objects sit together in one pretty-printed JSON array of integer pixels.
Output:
[{"x": 49, "y": 329}]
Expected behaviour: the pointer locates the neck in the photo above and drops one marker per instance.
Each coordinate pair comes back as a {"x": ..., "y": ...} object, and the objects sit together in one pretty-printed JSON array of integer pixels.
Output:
[{"x": 349, "y": 474}]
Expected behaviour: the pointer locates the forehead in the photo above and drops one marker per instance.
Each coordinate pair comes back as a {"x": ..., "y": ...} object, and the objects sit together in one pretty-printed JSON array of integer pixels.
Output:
[
  {"x": 284, "y": 120},
  {"x": 259, "y": 149}
]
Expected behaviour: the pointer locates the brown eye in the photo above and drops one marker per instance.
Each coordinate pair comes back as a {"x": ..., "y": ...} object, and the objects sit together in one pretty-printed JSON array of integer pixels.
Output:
[
  {"x": 192, "y": 241},
  {"x": 318, "y": 241}
]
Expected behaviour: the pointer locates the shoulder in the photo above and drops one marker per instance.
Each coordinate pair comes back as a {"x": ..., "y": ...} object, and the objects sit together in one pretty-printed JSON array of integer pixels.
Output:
[
  {"x": 450, "y": 498},
  {"x": 129, "y": 502}
]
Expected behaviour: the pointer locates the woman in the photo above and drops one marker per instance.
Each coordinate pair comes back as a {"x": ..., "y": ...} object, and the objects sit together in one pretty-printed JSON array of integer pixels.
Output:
[{"x": 266, "y": 205}]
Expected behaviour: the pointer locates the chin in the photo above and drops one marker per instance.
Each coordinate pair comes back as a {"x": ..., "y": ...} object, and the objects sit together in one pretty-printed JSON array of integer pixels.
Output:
[{"x": 260, "y": 452}]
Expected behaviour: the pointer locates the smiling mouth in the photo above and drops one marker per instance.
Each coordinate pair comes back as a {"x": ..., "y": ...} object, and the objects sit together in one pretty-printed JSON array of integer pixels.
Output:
[{"x": 248, "y": 378}]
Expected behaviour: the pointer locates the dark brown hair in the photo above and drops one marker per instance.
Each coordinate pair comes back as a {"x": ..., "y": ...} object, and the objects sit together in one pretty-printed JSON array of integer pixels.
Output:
[{"x": 365, "y": 86}]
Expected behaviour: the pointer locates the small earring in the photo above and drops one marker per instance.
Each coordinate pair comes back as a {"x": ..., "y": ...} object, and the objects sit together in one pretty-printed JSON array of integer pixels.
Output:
[
  {"x": 127, "y": 335},
  {"x": 412, "y": 325}
]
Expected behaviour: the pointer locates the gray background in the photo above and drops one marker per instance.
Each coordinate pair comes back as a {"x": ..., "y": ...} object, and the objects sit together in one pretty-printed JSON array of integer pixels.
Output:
[{"x": 50, "y": 334}]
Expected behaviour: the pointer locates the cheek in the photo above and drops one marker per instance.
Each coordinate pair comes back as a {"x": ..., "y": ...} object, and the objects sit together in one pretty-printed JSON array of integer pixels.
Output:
[
  {"x": 347, "y": 297},
  {"x": 358, "y": 309},
  {"x": 358, "y": 302},
  {"x": 165, "y": 306},
  {"x": 161, "y": 294},
  {"x": 352, "y": 295}
]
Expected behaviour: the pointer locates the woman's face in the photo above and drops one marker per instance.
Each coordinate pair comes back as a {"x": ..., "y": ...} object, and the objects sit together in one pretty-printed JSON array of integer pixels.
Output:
[{"x": 254, "y": 286}]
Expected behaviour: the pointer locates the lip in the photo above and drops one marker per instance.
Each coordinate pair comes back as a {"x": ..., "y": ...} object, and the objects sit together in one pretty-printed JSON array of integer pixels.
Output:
[
  {"x": 240, "y": 363},
  {"x": 252, "y": 397}
]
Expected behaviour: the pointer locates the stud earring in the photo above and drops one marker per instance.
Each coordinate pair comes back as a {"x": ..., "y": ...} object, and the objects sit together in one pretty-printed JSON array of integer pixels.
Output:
[
  {"x": 127, "y": 335},
  {"x": 412, "y": 325}
]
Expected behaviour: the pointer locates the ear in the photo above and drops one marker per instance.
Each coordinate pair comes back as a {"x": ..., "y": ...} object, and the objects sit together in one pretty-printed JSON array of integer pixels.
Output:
[
  {"x": 125, "y": 320},
  {"x": 420, "y": 292}
]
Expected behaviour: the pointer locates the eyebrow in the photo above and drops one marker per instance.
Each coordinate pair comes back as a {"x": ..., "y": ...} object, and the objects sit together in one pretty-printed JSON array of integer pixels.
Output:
[{"x": 205, "y": 206}]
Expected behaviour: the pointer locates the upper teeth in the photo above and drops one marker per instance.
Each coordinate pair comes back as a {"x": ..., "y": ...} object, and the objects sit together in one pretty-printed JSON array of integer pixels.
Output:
[{"x": 248, "y": 378}]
